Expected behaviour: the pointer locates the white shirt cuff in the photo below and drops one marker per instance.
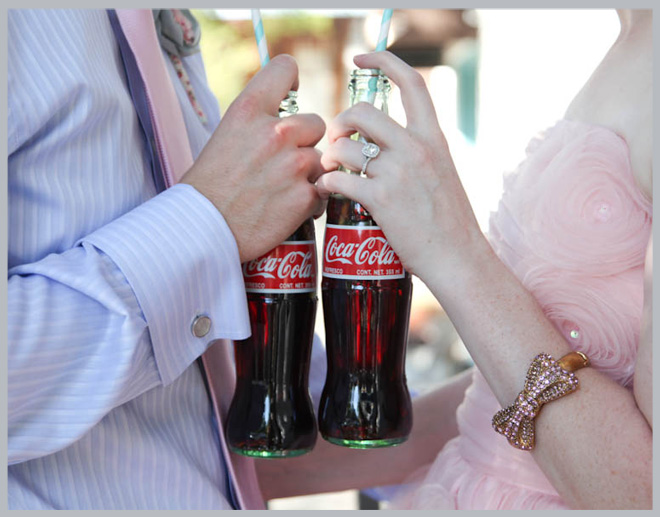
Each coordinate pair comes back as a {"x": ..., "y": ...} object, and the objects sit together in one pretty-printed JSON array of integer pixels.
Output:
[{"x": 181, "y": 260}]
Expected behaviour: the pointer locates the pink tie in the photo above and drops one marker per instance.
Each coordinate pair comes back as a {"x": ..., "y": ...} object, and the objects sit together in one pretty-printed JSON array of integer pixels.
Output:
[{"x": 175, "y": 157}]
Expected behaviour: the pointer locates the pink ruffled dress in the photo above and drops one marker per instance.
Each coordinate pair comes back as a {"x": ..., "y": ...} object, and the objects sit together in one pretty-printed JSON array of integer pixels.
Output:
[{"x": 573, "y": 226}]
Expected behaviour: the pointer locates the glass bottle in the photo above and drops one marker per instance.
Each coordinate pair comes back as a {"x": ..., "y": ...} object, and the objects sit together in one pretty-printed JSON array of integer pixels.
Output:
[
  {"x": 366, "y": 305},
  {"x": 271, "y": 414}
]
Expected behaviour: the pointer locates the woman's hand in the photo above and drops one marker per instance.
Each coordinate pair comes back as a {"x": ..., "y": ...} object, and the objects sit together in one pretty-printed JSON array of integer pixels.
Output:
[{"x": 412, "y": 188}]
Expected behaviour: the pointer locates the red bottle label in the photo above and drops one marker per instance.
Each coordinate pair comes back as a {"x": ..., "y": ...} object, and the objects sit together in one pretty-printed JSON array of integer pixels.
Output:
[
  {"x": 359, "y": 253},
  {"x": 288, "y": 268}
]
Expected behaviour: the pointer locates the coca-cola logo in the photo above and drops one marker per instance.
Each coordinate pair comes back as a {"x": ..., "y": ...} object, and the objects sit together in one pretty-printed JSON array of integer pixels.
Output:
[
  {"x": 295, "y": 265},
  {"x": 373, "y": 250},
  {"x": 290, "y": 267},
  {"x": 359, "y": 252}
]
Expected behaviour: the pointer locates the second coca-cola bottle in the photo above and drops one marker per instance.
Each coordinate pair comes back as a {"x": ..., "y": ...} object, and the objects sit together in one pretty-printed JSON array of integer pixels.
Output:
[
  {"x": 366, "y": 305},
  {"x": 271, "y": 414}
]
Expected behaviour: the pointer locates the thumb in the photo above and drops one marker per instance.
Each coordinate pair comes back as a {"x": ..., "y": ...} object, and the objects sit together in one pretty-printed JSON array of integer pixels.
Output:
[{"x": 273, "y": 82}]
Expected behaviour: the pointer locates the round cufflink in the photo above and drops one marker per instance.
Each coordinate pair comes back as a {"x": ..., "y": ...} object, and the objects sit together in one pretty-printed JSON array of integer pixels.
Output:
[{"x": 201, "y": 326}]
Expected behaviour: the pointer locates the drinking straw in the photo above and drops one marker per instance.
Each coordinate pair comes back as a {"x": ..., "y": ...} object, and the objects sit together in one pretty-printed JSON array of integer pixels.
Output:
[
  {"x": 381, "y": 45},
  {"x": 262, "y": 46},
  {"x": 384, "y": 30}
]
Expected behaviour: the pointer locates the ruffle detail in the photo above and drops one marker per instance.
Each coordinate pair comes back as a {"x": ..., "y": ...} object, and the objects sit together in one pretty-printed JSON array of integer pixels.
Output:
[
  {"x": 575, "y": 201},
  {"x": 573, "y": 226}
]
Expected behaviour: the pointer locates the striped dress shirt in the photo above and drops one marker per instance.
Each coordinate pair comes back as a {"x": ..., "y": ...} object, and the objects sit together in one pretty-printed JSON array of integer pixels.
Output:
[{"x": 107, "y": 408}]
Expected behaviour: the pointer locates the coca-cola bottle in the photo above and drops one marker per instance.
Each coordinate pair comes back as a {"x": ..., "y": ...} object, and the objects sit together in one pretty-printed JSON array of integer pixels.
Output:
[
  {"x": 271, "y": 414},
  {"x": 366, "y": 306}
]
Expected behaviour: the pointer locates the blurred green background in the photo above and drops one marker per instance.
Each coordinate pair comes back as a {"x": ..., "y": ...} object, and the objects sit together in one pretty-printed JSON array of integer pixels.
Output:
[{"x": 230, "y": 51}]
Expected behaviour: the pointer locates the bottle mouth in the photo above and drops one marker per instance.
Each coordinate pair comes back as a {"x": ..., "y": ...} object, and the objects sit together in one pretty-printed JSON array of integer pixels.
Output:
[
  {"x": 373, "y": 78},
  {"x": 368, "y": 72}
]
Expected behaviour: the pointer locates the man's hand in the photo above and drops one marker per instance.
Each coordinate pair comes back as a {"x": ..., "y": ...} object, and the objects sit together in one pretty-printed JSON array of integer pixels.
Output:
[{"x": 259, "y": 170}]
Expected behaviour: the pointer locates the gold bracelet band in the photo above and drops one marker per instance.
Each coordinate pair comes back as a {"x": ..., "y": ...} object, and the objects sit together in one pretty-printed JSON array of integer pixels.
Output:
[{"x": 546, "y": 380}]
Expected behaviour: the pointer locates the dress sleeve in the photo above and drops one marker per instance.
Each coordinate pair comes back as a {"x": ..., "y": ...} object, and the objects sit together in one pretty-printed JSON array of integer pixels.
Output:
[{"x": 97, "y": 325}]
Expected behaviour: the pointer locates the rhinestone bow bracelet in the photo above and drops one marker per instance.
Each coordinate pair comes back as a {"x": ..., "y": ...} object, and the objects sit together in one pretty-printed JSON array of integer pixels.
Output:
[{"x": 546, "y": 380}]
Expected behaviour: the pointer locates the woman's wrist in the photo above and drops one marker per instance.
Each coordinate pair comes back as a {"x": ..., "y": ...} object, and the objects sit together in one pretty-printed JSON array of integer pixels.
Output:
[{"x": 461, "y": 271}]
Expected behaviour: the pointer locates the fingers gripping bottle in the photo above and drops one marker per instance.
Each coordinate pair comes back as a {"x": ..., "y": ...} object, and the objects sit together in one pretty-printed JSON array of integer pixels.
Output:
[
  {"x": 366, "y": 305},
  {"x": 271, "y": 414}
]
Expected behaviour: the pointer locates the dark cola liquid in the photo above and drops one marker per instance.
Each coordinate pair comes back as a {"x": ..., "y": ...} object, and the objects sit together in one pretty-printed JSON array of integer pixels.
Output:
[
  {"x": 271, "y": 414},
  {"x": 365, "y": 401}
]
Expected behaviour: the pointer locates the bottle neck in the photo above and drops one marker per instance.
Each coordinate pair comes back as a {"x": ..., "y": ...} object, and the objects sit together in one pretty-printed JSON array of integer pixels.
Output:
[
  {"x": 369, "y": 85},
  {"x": 372, "y": 86},
  {"x": 288, "y": 107}
]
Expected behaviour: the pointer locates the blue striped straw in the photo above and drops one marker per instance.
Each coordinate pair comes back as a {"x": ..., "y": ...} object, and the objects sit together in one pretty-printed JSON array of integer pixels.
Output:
[
  {"x": 382, "y": 45},
  {"x": 384, "y": 30},
  {"x": 262, "y": 46}
]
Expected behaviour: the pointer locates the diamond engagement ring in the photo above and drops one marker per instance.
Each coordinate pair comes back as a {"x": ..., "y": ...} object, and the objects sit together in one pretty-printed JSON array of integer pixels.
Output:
[{"x": 369, "y": 151}]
